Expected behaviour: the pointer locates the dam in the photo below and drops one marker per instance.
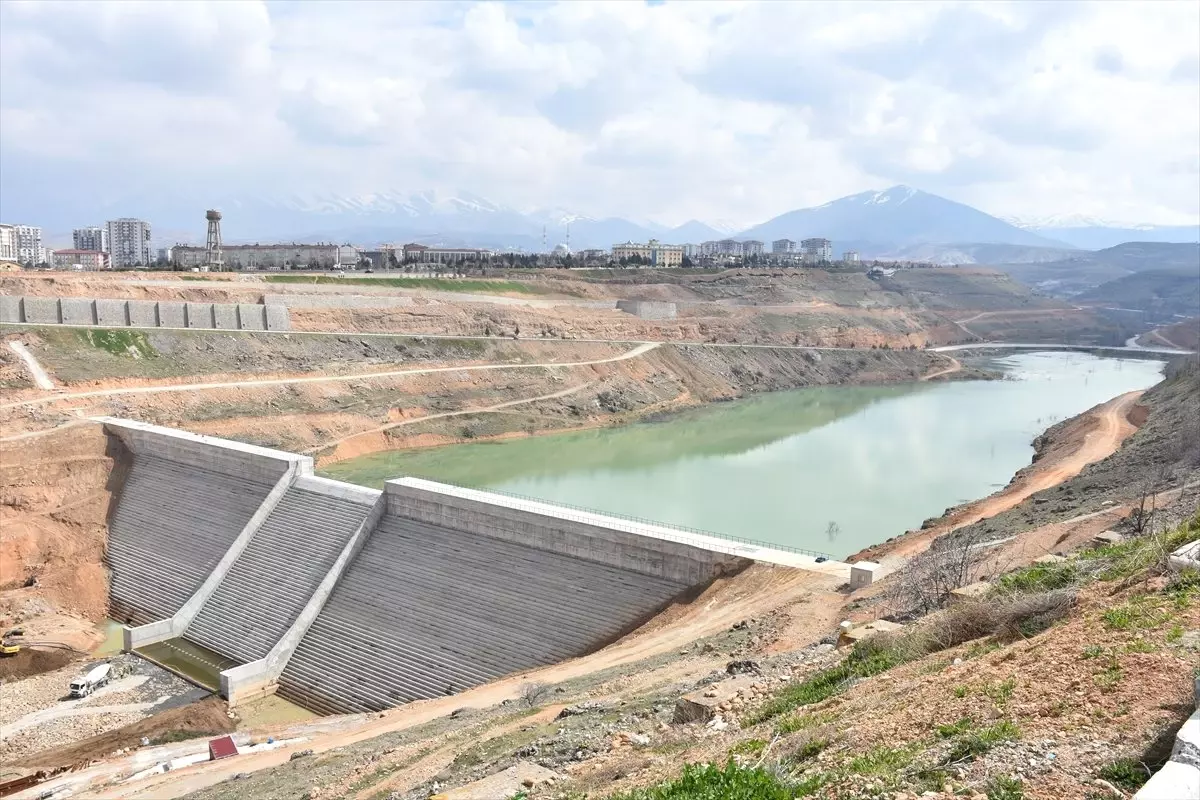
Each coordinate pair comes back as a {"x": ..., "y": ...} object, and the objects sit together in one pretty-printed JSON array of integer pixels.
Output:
[{"x": 347, "y": 599}]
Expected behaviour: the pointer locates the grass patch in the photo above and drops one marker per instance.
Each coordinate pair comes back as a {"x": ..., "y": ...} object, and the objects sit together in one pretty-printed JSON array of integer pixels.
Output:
[
  {"x": 961, "y": 691},
  {"x": 979, "y": 742},
  {"x": 1093, "y": 651},
  {"x": 711, "y": 782},
  {"x": 1003, "y": 787},
  {"x": 1175, "y": 634},
  {"x": 748, "y": 747},
  {"x": 133, "y": 344},
  {"x": 1140, "y": 613},
  {"x": 470, "y": 285},
  {"x": 803, "y": 722},
  {"x": 1000, "y": 692},
  {"x": 954, "y": 729},
  {"x": 865, "y": 660},
  {"x": 1040, "y": 578},
  {"x": 1126, "y": 774},
  {"x": 810, "y": 749},
  {"x": 881, "y": 761}
]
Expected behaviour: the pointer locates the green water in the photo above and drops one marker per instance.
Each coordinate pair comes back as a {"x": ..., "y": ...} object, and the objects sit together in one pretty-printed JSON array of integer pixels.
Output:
[
  {"x": 185, "y": 658},
  {"x": 782, "y": 467}
]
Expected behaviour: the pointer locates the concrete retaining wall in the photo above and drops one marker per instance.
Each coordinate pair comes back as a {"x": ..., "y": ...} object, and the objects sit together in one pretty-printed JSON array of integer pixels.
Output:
[
  {"x": 593, "y": 537},
  {"x": 112, "y": 313},
  {"x": 77, "y": 311},
  {"x": 142, "y": 313},
  {"x": 648, "y": 309},
  {"x": 11, "y": 308}
]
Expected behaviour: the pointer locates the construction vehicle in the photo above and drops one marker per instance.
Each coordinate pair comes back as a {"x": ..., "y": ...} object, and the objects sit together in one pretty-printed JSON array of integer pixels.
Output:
[
  {"x": 10, "y": 644},
  {"x": 86, "y": 684}
]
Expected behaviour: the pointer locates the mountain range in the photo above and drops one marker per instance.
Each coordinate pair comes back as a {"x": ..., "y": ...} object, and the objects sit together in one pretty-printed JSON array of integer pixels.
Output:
[{"x": 900, "y": 222}]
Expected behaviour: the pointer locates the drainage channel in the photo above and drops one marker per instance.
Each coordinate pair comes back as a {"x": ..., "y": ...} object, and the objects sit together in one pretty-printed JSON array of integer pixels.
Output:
[{"x": 197, "y": 664}]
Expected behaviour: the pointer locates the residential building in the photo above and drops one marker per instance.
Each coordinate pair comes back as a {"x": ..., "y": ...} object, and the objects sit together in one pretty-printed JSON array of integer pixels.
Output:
[
  {"x": 129, "y": 242},
  {"x": 443, "y": 255},
  {"x": 692, "y": 250},
  {"x": 29, "y": 244},
  {"x": 593, "y": 254},
  {"x": 653, "y": 253},
  {"x": 91, "y": 238},
  {"x": 752, "y": 247},
  {"x": 270, "y": 256},
  {"x": 817, "y": 250},
  {"x": 165, "y": 255},
  {"x": 725, "y": 247},
  {"x": 8, "y": 243},
  {"x": 89, "y": 260},
  {"x": 781, "y": 246},
  {"x": 850, "y": 257}
]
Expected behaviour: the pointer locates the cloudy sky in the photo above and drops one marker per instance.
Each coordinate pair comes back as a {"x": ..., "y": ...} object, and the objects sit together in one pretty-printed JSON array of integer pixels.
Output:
[{"x": 668, "y": 111}]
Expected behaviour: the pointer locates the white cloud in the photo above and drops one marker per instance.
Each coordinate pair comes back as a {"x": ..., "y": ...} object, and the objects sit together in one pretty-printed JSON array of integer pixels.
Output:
[{"x": 682, "y": 110}]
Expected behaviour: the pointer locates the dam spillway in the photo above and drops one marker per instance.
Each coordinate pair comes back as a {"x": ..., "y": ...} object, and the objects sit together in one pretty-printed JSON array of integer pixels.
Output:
[{"x": 346, "y": 599}]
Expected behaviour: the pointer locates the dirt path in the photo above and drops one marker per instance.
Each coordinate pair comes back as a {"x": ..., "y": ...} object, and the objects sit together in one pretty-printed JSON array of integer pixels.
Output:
[
  {"x": 955, "y": 366},
  {"x": 35, "y": 369},
  {"x": 641, "y": 349},
  {"x": 1109, "y": 425},
  {"x": 485, "y": 410}
]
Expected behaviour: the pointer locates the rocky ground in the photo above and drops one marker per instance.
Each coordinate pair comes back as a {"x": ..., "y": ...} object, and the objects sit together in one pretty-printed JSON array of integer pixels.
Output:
[{"x": 37, "y": 713}]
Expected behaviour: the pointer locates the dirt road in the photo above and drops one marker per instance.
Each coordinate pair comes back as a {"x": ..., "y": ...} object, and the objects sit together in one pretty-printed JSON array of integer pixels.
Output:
[
  {"x": 1109, "y": 426},
  {"x": 641, "y": 349},
  {"x": 955, "y": 366},
  {"x": 349, "y": 440},
  {"x": 40, "y": 378}
]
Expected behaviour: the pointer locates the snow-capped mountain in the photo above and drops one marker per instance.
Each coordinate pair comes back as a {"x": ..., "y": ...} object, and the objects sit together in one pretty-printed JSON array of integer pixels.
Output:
[
  {"x": 894, "y": 217},
  {"x": 1093, "y": 233}
]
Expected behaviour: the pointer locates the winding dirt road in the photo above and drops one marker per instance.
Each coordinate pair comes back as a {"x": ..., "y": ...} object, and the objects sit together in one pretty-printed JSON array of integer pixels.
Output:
[{"x": 641, "y": 349}]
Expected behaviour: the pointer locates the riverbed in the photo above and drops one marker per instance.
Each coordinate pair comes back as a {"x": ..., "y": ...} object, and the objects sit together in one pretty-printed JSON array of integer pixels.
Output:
[{"x": 832, "y": 469}]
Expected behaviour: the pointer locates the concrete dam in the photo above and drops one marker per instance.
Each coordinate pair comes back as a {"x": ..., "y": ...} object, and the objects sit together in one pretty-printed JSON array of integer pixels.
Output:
[{"x": 346, "y": 599}]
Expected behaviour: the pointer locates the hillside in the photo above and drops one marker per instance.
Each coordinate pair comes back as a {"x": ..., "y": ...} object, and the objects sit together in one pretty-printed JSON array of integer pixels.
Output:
[
  {"x": 1080, "y": 272},
  {"x": 1162, "y": 294}
]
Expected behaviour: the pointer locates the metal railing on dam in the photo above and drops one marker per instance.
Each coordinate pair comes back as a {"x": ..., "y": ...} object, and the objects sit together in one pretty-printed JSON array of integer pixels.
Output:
[
  {"x": 351, "y": 599},
  {"x": 667, "y": 529}
]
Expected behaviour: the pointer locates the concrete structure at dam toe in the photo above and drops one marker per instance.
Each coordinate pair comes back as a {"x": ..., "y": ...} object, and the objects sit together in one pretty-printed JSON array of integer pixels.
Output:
[{"x": 346, "y": 599}]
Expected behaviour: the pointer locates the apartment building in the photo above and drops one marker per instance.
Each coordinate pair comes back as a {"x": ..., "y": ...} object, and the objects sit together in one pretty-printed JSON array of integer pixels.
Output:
[
  {"x": 91, "y": 238},
  {"x": 850, "y": 257},
  {"x": 752, "y": 247},
  {"x": 443, "y": 255},
  {"x": 724, "y": 247},
  {"x": 783, "y": 246},
  {"x": 89, "y": 260},
  {"x": 817, "y": 250},
  {"x": 653, "y": 253},
  {"x": 129, "y": 242},
  {"x": 29, "y": 244},
  {"x": 270, "y": 256},
  {"x": 8, "y": 243}
]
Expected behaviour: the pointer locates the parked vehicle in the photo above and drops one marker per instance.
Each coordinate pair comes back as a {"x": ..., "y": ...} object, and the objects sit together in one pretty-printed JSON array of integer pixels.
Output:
[{"x": 86, "y": 684}]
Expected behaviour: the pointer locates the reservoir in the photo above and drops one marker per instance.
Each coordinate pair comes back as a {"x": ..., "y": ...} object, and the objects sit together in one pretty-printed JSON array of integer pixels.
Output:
[{"x": 833, "y": 469}]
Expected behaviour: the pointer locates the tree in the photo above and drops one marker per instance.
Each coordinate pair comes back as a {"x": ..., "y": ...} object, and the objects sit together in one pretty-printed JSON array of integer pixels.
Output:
[{"x": 925, "y": 582}]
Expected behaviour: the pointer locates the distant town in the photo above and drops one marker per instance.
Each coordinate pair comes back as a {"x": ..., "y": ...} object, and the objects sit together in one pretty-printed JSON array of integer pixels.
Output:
[{"x": 125, "y": 243}]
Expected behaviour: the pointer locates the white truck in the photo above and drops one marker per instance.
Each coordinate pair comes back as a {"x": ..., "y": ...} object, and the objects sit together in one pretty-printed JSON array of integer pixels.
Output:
[{"x": 86, "y": 684}]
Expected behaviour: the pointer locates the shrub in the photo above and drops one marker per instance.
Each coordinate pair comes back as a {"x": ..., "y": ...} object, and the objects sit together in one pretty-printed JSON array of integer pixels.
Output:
[
  {"x": 1040, "y": 578},
  {"x": 950, "y": 731},
  {"x": 979, "y": 742},
  {"x": 534, "y": 694}
]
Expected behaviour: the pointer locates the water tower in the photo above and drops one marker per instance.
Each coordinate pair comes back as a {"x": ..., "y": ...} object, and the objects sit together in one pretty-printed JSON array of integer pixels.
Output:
[{"x": 212, "y": 247}]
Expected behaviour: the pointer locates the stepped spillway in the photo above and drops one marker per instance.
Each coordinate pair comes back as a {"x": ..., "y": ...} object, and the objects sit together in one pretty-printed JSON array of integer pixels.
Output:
[
  {"x": 427, "y": 610},
  {"x": 172, "y": 523},
  {"x": 274, "y": 577}
]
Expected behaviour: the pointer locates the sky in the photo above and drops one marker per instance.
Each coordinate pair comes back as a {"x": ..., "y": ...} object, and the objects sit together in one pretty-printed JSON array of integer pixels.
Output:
[{"x": 729, "y": 112}]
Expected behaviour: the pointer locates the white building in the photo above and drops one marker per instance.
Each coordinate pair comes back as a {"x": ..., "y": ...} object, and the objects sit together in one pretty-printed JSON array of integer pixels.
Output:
[
  {"x": 8, "y": 243},
  {"x": 271, "y": 256},
  {"x": 850, "y": 257},
  {"x": 725, "y": 247},
  {"x": 653, "y": 253},
  {"x": 29, "y": 244},
  {"x": 752, "y": 247},
  {"x": 129, "y": 242},
  {"x": 817, "y": 250},
  {"x": 91, "y": 238},
  {"x": 780, "y": 246},
  {"x": 89, "y": 260}
]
